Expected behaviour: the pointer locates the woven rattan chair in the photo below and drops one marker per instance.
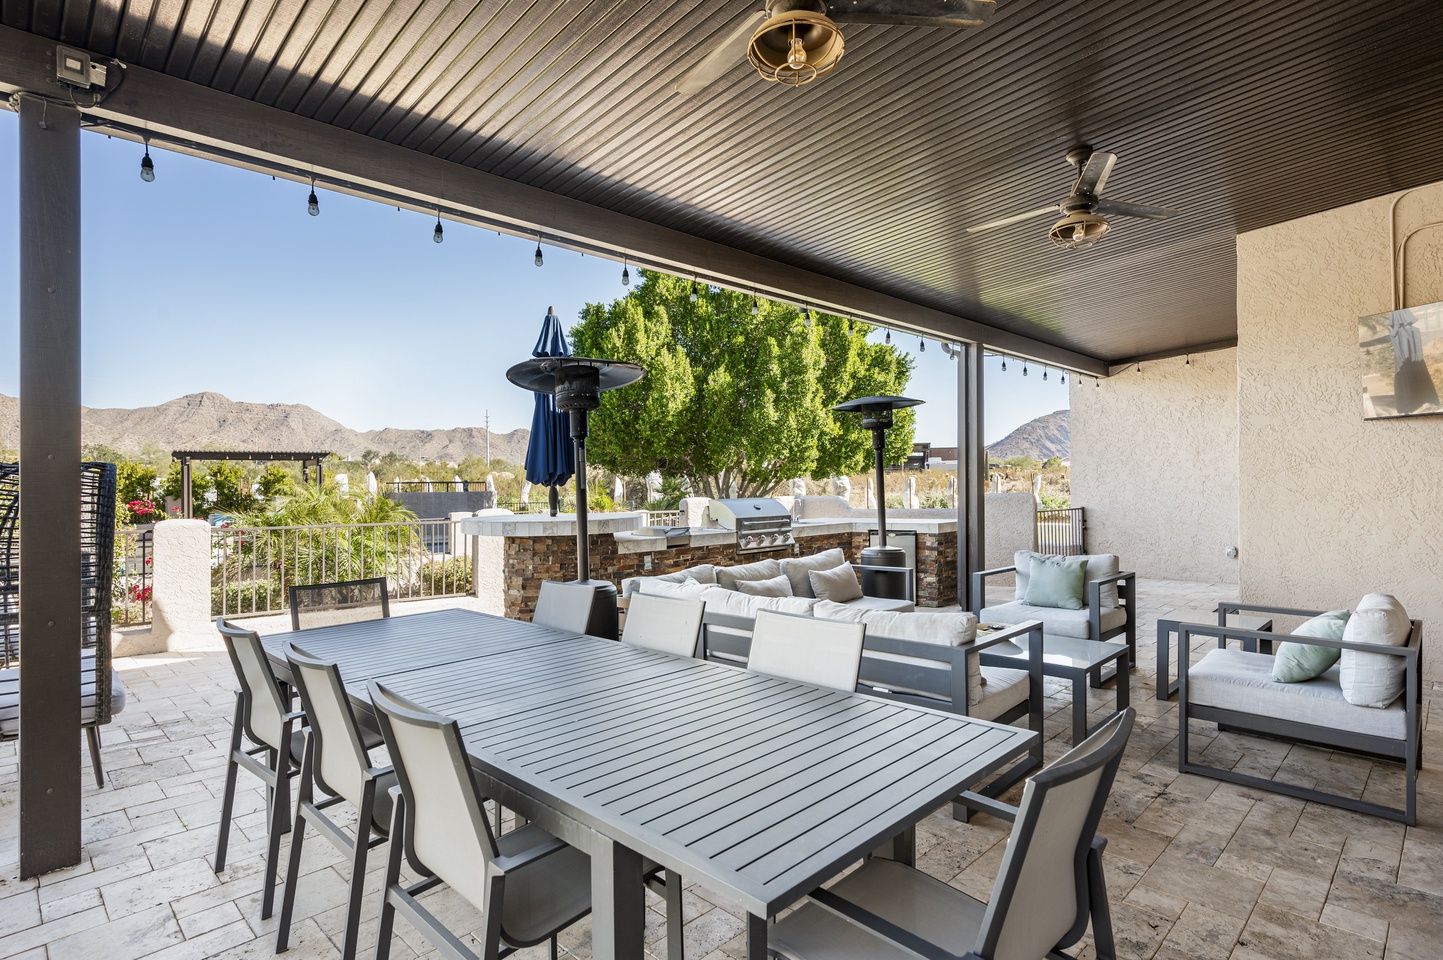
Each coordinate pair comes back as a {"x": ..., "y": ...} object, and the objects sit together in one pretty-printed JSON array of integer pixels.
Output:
[
  {"x": 349, "y": 601},
  {"x": 265, "y": 718},
  {"x": 1049, "y": 886},
  {"x": 101, "y": 693}
]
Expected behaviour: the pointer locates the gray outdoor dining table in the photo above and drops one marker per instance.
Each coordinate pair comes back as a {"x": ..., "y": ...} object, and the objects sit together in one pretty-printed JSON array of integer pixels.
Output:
[{"x": 755, "y": 787}]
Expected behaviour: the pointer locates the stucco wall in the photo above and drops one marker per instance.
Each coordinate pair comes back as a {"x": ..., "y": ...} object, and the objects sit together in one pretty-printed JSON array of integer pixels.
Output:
[
  {"x": 1334, "y": 506},
  {"x": 1155, "y": 466}
]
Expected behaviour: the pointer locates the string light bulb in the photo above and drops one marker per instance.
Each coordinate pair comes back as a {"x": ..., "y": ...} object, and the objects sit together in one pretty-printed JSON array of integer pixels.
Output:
[
  {"x": 313, "y": 204},
  {"x": 625, "y": 274},
  {"x": 756, "y": 305},
  {"x": 438, "y": 235},
  {"x": 921, "y": 345},
  {"x": 539, "y": 259},
  {"x": 1188, "y": 362},
  {"x": 888, "y": 338},
  {"x": 147, "y": 168},
  {"x": 1064, "y": 377},
  {"x": 1044, "y": 372},
  {"x": 1004, "y": 364},
  {"x": 693, "y": 290},
  {"x": 1024, "y": 368},
  {"x": 1139, "y": 368}
]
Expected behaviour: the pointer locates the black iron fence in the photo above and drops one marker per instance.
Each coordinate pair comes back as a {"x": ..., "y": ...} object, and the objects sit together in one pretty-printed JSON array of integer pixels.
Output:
[{"x": 1062, "y": 531}]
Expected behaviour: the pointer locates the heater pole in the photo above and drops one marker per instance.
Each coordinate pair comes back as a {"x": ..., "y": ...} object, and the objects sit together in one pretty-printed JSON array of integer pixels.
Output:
[
  {"x": 583, "y": 546},
  {"x": 879, "y": 442}
]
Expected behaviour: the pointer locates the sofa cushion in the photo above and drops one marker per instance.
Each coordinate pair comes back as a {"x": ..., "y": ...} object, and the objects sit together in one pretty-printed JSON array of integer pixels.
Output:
[
  {"x": 778, "y": 586},
  {"x": 10, "y": 695},
  {"x": 797, "y": 569},
  {"x": 1055, "y": 582},
  {"x": 657, "y": 587},
  {"x": 1099, "y": 565},
  {"x": 1237, "y": 680},
  {"x": 946, "y": 629},
  {"x": 1374, "y": 679},
  {"x": 839, "y": 584},
  {"x": 882, "y": 603},
  {"x": 734, "y": 603},
  {"x": 704, "y": 573},
  {"x": 1002, "y": 689},
  {"x": 1296, "y": 662},
  {"x": 1058, "y": 623},
  {"x": 760, "y": 570}
]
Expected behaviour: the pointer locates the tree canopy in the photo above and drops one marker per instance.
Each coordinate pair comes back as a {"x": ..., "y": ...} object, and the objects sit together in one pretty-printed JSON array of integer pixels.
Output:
[{"x": 735, "y": 403}]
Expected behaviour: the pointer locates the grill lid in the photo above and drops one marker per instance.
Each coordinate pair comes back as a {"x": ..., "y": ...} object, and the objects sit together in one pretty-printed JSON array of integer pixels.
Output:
[{"x": 740, "y": 512}]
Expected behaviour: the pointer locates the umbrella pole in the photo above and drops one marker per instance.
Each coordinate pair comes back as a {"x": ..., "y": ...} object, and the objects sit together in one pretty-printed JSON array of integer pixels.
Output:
[{"x": 554, "y": 498}]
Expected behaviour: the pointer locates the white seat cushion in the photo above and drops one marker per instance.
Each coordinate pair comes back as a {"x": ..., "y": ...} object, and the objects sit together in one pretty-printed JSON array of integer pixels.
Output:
[
  {"x": 1002, "y": 690},
  {"x": 1237, "y": 680},
  {"x": 10, "y": 696},
  {"x": 657, "y": 587},
  {"x": 1061, "y": 623}
]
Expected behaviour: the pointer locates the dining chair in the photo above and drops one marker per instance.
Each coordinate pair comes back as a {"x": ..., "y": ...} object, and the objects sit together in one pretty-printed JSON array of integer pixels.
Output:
[
  {"x": 346, "y": 601},
  {"x": 528, "y": 885},
  {"x": 264, "y": 717},
  {"x": 1050, "y": 883},
  {"x": 824, "y": 653},
  {"x": 337, "y": 761},
  {"x": 564, "y": 606},
  {"x": 665, "y": 624}
]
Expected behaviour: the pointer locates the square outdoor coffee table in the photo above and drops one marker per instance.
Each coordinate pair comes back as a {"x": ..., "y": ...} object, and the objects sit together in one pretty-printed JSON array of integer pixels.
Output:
[
  {"x": 1167, "y": 630},
  {"x": 1069, "y": 658}
]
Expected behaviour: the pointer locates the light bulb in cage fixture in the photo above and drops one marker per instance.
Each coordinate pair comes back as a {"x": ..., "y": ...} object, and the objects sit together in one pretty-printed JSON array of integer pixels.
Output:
[
  {"x": 888, "y": 338},
  {"x": 438, "y": 235},
  {"x": 851, "y": 325},
  {"x": 1024, "y": 368},
  {"x": 692, "y": 295},
  {"x": 1004, "y": 364},
  {"x": 147, "y": 168},
  {"x": 313, "y": 204},
  {"x": 1044, "y": 373},
  {"x": 921, "y": 345},
  {"x": 756, "y": 305},
  {"x": 539, "y": 260},
  {"x": 1064, "y": 376},
  {"x": 625, "y": 274}
]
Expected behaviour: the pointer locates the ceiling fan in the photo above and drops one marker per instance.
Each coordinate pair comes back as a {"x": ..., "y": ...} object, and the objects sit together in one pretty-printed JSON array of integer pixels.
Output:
[
  {"x": 793, "y": 42},
  {"x": 1084, "y": 213}
]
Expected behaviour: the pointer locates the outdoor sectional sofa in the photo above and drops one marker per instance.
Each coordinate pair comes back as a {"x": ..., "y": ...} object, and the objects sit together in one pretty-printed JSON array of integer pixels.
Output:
[{"x": 796, "y": 570}]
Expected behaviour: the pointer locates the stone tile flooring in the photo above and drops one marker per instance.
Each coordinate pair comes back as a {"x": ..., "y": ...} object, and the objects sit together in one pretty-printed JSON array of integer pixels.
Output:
[{"x": 1196, "y": 869}]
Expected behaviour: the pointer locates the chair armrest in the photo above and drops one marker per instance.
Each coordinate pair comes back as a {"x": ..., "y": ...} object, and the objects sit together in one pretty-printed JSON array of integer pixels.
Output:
[
  {"x": 979, "y": 586},
  {"x": 992, "y": 639},
  {"x": 998, "y": 809},
  {"x": 1094, "y": 587},
  {"x": 1226, "y": 607},
  {"x": 539, "y": 852}
]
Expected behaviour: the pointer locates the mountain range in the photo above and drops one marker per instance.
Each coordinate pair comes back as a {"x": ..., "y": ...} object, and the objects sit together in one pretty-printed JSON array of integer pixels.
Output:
[
  {"x": 212, "y": 421},
  {"x": 1040, "y": 439}
]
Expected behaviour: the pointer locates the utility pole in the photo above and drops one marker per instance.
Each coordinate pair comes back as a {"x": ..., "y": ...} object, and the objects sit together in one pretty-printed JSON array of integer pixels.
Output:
[{"x": 488, "y": 439}]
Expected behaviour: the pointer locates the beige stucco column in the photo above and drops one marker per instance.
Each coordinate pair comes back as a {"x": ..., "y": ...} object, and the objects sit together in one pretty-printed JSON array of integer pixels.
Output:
[{"x": 180, "y": 611}]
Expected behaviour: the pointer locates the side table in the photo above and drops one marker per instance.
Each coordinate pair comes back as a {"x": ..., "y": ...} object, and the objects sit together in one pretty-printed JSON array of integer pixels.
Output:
[{"x": 1068, "y": 658}]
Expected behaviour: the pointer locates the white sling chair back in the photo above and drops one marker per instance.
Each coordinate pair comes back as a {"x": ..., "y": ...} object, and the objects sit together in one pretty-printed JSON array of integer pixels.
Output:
[
  {"x": 666, "y": 624},
  {"x": 824, "y": 653}
]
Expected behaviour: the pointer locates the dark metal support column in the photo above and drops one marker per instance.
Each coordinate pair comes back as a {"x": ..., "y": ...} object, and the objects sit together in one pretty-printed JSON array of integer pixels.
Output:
[
  {"x": 971, "y": 473},
  {"x": 187, "y": 504},
  {"x": 50, "y": 620}
]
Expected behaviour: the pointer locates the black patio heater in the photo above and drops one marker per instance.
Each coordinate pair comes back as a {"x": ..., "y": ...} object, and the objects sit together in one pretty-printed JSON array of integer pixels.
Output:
[
  {"x": 577, "y": 383},
  {"x": 879, "y": 582}
]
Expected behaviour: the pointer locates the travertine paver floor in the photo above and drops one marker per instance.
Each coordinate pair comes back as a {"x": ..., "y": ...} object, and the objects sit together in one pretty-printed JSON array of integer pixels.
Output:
[{"x": 1196, "y": 869}]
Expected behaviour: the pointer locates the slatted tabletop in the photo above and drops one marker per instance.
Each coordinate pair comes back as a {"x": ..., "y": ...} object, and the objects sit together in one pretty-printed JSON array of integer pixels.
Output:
[
  {"x": 757, "y": 787},
  {"x": 387, "y": 646}
]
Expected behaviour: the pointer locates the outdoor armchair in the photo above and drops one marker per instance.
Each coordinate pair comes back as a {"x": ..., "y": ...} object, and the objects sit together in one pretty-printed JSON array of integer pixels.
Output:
[
  {"x": 1049, "y": 886},
  {"x": 1108, "y": 609}
]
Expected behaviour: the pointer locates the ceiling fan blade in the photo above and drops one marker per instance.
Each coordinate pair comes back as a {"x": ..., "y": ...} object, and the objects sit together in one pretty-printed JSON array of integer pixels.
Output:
[
  {"x": 1094, "y": 173},
  {"x": 1016, "y": 219},
  {"x": 959, "y": 14},
  {"x": 1121, "y": 208},
  {"x": 722, "y": 57}
]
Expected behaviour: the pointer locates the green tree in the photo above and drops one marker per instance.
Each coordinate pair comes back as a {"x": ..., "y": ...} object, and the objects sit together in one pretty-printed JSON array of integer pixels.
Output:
[{"x": 732, "y": 401}]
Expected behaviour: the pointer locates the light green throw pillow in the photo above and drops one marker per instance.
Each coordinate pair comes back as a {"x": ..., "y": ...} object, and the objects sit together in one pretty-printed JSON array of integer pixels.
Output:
[
  {"x": 1056, "y": 582},
  {"x": 1296, "y": 662}
]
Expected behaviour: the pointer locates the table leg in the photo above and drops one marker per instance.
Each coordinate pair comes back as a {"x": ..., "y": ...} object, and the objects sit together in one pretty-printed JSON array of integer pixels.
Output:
[
  {"x": 618, "y": 903},
  {"x": 1124, "y": 695},
  {"x": 1079, "y": 706},
  {"x": 756, "y": 937}
]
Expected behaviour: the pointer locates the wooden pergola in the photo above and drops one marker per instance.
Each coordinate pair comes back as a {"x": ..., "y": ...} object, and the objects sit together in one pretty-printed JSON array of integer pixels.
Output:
[{"x": 560, "y": 123}]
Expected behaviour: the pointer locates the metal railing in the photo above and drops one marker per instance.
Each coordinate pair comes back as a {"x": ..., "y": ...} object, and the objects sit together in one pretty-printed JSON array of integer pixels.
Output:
[
  {"x": 252, "y": 568},
  {"x": 130, "y": 587},
  {"x": 1062, "y": 531},
  {"x": 434, "y": 486},
  {"x": 540, "y": 504}
]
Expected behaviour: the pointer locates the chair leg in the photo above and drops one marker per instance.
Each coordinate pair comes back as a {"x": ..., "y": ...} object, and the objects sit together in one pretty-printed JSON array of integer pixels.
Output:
[
  {"x": 1102, "y": 939},
  {"x": 358, "y": 888},
  {"x": 288, "y": 895},
  {"x": 280, "y": 822},
  {"x": 228, "y": 797},
  {"x": 393, "y": 878},
  {"x": 92, "y": 736}
]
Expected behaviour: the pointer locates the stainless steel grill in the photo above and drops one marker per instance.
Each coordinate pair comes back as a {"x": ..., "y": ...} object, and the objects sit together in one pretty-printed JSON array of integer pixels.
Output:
[{"x": 761, "y": 523}]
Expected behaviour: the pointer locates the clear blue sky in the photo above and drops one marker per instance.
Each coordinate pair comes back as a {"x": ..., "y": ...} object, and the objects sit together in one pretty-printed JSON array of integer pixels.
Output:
[{"x": 215, "y": 279}]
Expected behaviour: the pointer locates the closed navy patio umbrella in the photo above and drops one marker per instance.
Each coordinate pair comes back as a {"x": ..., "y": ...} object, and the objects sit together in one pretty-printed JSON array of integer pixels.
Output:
[{"x": 550, "y": 460}]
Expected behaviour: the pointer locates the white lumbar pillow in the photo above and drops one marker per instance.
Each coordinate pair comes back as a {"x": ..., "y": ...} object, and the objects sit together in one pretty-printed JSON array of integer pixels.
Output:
[
  {"x": 685, "y": 590},
  {"x": 1374, "y": 679}
]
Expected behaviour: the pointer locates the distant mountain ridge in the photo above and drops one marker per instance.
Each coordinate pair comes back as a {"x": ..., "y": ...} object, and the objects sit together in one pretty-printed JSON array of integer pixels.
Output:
[
  {"x": 210, "y": 420},
  {"x": 1042, "y": 438}
]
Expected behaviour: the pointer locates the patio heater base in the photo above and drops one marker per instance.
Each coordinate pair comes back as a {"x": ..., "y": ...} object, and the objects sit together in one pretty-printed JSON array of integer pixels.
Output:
[
  {"x": 603, "y": 620},
  {"x": 891, "y": 584}
]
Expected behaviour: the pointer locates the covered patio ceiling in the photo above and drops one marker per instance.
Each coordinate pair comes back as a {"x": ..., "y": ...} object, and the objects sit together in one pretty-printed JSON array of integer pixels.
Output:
[{"x": 853, "y": 192}]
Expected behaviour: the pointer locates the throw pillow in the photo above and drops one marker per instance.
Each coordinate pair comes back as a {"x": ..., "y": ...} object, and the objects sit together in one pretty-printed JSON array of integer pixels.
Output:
[
  {"x": 778, "y": 586},
  {"x": 1374, "y": 679},
  {"x": 797, "y": 568},
  {"x": 838, "y": 584},
  {"x": 1056, "y": 582},
  {"x": 761, "y": 570},
  {"x": 1099, "y": 565},
  {"x": 1296, "y": 662}
]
